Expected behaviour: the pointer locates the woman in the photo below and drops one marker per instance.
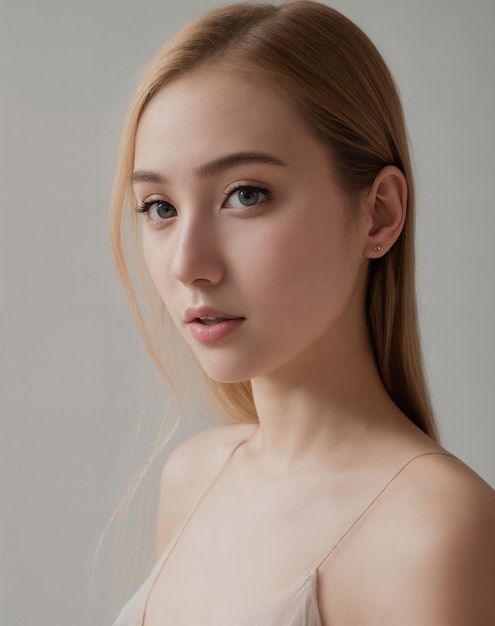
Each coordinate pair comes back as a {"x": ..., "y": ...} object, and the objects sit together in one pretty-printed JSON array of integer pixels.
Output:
[{"x": 266, "y": 157}]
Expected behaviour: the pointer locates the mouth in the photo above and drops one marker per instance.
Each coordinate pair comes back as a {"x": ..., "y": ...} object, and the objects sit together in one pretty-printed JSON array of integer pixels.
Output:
[
  {"x": 208, "y": 316},
  {"x": 210, "y": 321},
  {"x": 211, "y": 329}
]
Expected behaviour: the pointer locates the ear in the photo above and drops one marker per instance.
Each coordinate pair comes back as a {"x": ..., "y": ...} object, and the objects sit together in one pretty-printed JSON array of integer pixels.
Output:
[{"x": 387, "y": 203}]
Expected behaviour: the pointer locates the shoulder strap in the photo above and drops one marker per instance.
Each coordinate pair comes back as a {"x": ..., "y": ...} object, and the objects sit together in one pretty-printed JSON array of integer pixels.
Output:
[
  {"x": 170, "y": 547},
  {"x": 207, "y": 491},
  {"x": 375, "y": 499}
]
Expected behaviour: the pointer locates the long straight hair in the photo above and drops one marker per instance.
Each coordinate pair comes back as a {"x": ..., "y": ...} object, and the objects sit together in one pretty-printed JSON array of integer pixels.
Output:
[{"x": 332, "y": 73}]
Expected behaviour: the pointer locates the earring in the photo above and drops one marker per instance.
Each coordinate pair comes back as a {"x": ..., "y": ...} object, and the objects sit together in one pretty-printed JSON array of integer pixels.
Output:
[{"x": 377, "y": 248}]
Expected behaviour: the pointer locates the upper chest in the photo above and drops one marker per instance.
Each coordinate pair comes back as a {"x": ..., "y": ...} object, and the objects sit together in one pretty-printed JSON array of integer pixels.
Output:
[{"x": 246, "y": 543}]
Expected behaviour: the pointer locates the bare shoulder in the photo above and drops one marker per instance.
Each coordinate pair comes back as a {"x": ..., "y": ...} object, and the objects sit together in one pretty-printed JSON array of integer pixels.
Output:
[
  {"x": 188, "y": 471},
  {"x": 204, "y": 452},
  {"x": 438, "y": 547},
  {"x": 446, "y": 499}
]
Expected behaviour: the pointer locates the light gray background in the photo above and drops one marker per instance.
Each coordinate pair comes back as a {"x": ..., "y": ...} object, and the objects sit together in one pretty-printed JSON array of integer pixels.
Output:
[{"x": 73, "y": 371}]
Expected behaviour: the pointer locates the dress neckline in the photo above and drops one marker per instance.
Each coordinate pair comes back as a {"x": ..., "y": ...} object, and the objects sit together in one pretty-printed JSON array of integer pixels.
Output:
[{"x": 308, "y": 578}]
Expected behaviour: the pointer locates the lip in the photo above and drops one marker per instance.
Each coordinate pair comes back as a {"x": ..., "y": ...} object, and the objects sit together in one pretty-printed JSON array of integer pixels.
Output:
[
  {"x": 191, "y": 314},
  {"x": 214, "y": 332}
]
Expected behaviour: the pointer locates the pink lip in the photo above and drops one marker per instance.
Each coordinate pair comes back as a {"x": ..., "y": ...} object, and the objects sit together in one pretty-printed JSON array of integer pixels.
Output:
[
  {"x": 203, "y": 311},
  {"x": 212, "y": 332}
]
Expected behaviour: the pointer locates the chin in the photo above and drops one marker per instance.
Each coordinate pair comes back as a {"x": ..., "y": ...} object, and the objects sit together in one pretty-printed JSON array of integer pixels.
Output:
[
  {"x": 225, "y": 370},
  {"x": 224, "y": 376}
]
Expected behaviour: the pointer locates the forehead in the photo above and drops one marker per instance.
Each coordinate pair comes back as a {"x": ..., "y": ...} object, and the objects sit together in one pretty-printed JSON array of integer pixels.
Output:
[{"x": 207, "y": 114}]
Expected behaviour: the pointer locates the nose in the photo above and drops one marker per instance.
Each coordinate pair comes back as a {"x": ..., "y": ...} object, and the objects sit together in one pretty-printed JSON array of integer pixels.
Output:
[{"x": 197, "y": 258}]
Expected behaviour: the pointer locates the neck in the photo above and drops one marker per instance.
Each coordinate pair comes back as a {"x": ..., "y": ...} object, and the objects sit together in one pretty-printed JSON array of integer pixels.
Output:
[{"x": 327, "y": 405}]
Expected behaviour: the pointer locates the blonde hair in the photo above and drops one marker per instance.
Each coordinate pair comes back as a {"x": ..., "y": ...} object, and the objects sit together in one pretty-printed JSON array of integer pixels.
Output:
[{"x": 332, "y": 73}]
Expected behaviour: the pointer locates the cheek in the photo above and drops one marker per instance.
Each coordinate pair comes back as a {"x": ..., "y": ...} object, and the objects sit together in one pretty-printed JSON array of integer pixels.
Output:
[
  {"x": 300, "y": 263},
  {"x": 150, "y": 256},
  {"x": 157, "y": 264}
]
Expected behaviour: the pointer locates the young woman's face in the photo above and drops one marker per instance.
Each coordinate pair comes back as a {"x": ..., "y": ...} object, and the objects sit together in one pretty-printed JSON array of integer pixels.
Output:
[{"x": 242, "y": 216}]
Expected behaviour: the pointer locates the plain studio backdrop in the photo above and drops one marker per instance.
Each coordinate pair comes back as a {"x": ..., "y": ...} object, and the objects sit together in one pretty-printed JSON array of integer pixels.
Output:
[{"x": 74, "y": 374}]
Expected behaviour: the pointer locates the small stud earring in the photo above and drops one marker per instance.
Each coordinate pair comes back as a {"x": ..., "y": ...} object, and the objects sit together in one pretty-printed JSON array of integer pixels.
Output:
[{"x": 377, "y": 248}]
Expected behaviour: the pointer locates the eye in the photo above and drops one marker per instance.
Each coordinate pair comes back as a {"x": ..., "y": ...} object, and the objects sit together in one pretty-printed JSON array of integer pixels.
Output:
[
  {"x": 157, "y": 210},
  {"x": 246, "y": 196}
]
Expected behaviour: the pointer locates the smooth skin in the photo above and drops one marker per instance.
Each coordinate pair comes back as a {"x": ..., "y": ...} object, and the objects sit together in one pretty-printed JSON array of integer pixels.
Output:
[{"x": 285, "y": 254}]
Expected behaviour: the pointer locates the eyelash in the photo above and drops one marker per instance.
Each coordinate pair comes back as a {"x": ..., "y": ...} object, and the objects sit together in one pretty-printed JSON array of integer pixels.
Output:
[
  {"x": 146, "y": 206},
  {"x": 248, "y": 187}
]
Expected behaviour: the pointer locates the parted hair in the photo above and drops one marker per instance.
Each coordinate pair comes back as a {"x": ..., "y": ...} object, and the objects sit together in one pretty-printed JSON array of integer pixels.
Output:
[{"x": 330, "y": 71}]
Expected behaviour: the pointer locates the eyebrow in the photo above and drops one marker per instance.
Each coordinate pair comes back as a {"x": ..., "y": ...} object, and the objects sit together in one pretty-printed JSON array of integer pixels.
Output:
[{"x": 212, "y": 167}]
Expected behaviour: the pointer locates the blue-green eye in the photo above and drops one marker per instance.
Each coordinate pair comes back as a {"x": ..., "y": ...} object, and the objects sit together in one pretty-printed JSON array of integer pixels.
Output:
[
  {"x": 158, "y": 210},
  {"x": 246, "y": 196}
]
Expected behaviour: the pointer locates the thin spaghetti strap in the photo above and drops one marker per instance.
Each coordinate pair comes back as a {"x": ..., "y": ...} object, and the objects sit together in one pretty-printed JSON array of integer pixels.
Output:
[
  {"x": 170, "y": 547},
  {"x": 374, "y": 500},
  {"x": 210, "y": 487}
]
